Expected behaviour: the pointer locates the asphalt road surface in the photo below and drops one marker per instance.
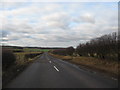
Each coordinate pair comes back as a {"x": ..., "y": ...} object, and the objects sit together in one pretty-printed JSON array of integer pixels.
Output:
[{"x": 50, "y": 72}]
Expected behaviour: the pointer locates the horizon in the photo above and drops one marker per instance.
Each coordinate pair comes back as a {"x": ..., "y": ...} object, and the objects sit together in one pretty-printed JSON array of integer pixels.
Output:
[{"x": 32, "y": 46}]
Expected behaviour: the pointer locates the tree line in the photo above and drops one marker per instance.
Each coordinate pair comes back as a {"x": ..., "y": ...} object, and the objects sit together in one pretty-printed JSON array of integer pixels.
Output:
[
  {"x": 67, "y": 51},
  {"x": 104, "y": 47}
]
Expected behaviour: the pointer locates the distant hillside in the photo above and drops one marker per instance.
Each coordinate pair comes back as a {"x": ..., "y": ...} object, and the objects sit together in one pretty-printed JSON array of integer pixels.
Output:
[{"x": 18, "y": 47}]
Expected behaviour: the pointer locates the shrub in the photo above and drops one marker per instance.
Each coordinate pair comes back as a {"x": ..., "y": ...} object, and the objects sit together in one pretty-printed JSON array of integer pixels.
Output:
[
  {"x": 18, "y": 50},
  {"x": 8, "y": 58},
  {"x": 32, "y": 55},
  {"x": 70, "y": 50},
  {"x": 60, "y": 52}
]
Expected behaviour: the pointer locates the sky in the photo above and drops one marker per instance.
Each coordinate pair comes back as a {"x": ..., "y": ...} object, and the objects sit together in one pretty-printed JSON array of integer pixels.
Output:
[{"x": 56, "y": 24}]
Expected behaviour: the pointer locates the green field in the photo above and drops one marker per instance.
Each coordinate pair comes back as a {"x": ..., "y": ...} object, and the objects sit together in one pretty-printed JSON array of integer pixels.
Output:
[
  {"x": 32, "y": 50},
  {"x": 35, "y": 50}
]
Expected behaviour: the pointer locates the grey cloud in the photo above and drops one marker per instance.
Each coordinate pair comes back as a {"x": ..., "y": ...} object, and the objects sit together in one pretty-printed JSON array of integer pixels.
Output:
[
  {"x": 85, "y": 18},
  {"x": 54, "y": 28},
  {"x": 70, "y": 38},
  {"x": 5, "y": 33}
]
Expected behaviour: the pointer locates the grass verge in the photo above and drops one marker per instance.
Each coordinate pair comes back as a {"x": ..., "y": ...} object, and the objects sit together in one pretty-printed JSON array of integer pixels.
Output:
[{"x": 106, "y": 67}]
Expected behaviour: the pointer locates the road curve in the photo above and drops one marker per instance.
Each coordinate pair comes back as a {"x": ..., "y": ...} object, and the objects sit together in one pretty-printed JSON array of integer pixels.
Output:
[{"x": 50, "y": 72}]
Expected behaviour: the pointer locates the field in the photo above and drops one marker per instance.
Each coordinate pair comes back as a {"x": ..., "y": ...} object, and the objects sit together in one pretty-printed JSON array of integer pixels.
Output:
[
  {"x": 107, "y": 67},
  {"x": 36, "y": 50},
  {"x": 31, "y": 50}
]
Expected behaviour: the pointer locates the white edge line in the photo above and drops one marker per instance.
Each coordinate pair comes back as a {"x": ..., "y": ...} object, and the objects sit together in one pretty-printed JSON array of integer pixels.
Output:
[{"x": 56, "y": 69}]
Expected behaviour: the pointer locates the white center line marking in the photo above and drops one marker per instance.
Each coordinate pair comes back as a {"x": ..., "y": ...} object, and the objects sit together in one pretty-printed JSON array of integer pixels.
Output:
[
  {"x": 56, "y": 69},
  {"x": 49, "y": 61}
]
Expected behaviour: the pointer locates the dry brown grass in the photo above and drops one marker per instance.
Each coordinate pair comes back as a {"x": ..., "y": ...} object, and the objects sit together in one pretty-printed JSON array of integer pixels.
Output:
[
  {"x": 62, "y": 57},
  {"x": 22, "y": 60},
  {"x": 109, "y": 67}
]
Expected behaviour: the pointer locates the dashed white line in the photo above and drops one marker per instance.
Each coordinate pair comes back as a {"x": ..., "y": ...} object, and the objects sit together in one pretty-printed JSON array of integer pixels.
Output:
[
  {"x": 114, "y": 78},
  {"x": 49, "y": 61},
  {"x": 56, "y": 69}
]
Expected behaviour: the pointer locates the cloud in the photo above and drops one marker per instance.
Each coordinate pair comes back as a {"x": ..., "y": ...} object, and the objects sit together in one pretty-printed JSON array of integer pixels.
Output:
[
  {"x": 59, "y": 1},
  {"x": 5, "y": 33},
  {"x": 57, "y": 24},
  {"x": 85, "y": 18}
]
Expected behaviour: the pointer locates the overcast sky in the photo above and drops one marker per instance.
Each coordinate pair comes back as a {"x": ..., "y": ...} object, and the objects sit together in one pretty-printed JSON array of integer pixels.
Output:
[{"x": 57, "y": 24}]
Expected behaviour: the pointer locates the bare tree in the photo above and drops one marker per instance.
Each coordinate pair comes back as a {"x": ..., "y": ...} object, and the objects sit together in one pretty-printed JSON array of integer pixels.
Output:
[{"x": 105, "y": 47}]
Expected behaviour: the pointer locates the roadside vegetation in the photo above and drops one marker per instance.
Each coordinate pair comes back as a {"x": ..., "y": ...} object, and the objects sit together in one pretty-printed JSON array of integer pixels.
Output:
[
  {"x": 107, "y": 67},
  {"x": 104, "y": 47},
  {"x": 14, "y": 61},
  {"x": 99, "y": 54}
]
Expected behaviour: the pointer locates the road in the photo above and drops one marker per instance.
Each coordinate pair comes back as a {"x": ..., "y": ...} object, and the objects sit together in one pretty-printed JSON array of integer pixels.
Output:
[{"x": 50, "y": 72}]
